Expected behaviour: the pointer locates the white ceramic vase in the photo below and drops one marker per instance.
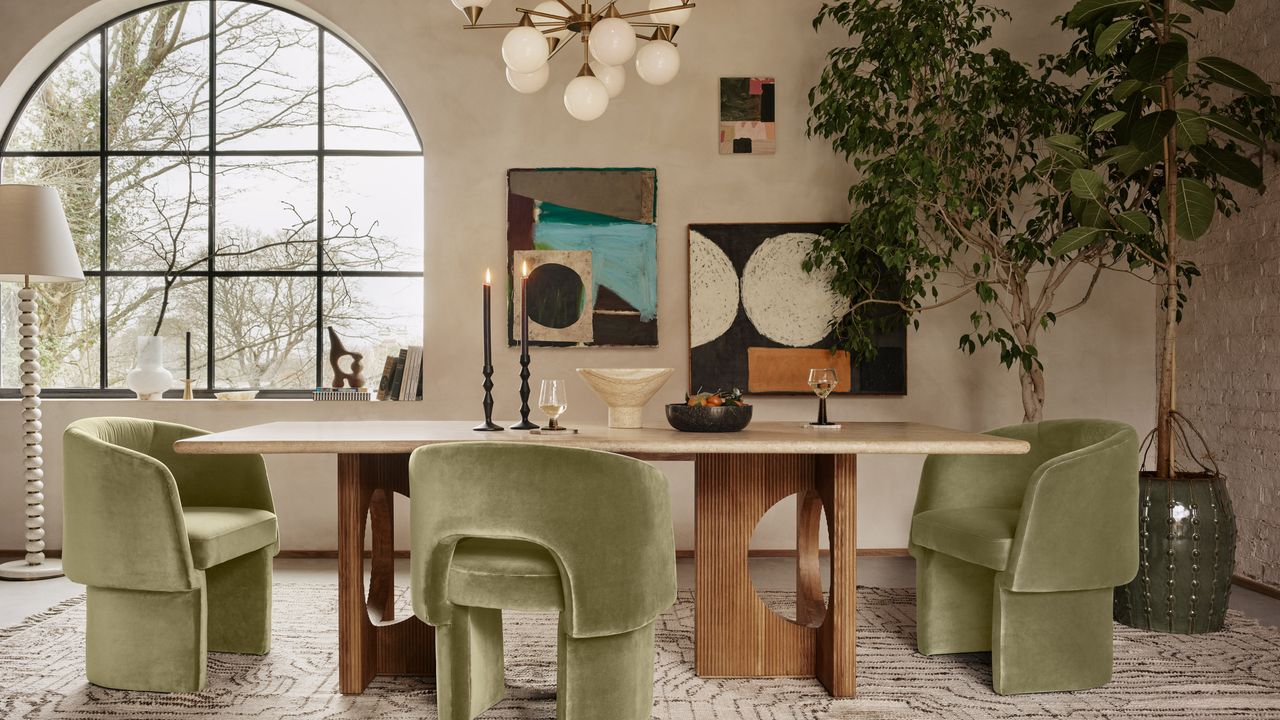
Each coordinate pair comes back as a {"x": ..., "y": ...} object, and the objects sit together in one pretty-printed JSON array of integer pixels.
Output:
[{"x": 148, "y": 378}]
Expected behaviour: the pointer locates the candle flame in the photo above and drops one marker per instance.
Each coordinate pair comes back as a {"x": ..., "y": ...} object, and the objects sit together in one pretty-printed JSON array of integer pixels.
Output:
[
  {"x": 524, "y": 269},
  {"x": 488, "y": 277}
]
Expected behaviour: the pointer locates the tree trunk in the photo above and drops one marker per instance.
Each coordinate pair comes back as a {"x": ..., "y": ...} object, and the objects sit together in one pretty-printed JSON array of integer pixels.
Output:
[
  {"x": 1032, "y": 393},
  {"x": 1165, "y": 448}
]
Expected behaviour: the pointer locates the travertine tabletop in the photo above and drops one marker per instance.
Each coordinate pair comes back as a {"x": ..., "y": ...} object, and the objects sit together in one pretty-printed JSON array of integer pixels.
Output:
[{"x": 387, "y": 437}]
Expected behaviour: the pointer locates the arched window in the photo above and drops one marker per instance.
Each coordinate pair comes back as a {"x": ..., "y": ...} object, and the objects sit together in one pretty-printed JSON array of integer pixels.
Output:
[{"x": 231, "y": 170}]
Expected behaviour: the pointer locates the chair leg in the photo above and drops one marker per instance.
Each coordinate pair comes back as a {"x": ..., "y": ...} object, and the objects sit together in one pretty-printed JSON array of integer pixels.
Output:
[
  {"x": 605, "y": 677},
  {"x": 469, "y": 672},
  {"x": 240, "y": 604},
  {"x": 143, "y": 640},
  {"x": 953, "y": 605},
  {"x": 1051, "y": 642}
]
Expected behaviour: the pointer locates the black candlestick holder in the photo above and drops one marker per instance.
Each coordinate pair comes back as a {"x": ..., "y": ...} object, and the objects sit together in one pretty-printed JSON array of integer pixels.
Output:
[
  {"x": 524, "y": 423},
  {"x": 488, "y": 425}
]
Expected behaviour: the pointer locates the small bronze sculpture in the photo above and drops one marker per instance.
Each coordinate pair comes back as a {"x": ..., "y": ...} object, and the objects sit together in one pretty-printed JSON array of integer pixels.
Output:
[{"x": 337, "y": 351}]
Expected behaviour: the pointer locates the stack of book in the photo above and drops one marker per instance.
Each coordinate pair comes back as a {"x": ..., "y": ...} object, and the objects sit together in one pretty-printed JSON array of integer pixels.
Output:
[
  {"x": 344, "y": 393},
  {"x": 402, "y": 375}
]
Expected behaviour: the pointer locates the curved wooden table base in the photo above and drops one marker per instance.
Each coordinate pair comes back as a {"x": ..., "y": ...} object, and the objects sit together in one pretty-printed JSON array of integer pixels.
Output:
[
  {"x": 370, "y": 639},
  {"x": 735, "y": 634}
]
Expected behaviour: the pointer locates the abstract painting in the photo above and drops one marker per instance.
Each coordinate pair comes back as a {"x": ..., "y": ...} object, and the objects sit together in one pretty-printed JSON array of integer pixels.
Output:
[
  {"x": 759, "y": 322},
  {"x": 747, "y": 125},
  {"x": 590, "y": 237}
]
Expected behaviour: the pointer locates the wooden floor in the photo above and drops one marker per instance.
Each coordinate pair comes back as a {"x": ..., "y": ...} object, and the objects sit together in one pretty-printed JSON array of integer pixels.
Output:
[{"x": 21, "y": 599}]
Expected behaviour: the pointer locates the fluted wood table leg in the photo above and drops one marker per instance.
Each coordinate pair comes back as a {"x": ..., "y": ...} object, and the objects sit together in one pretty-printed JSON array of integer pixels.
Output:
[
  {"x": 371, "y": 641},
  {"x": 736, "y": 635}
]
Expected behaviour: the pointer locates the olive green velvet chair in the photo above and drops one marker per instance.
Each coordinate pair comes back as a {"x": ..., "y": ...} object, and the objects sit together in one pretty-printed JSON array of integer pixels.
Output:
[
  {"x": 546, "y": 529},
  {"x": 176, "y": 551},
  {"x": 1019, "y": 554}
]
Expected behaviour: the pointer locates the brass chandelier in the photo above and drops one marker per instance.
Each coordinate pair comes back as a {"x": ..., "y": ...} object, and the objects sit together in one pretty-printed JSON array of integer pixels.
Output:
[{"x": 609, "y": 41}]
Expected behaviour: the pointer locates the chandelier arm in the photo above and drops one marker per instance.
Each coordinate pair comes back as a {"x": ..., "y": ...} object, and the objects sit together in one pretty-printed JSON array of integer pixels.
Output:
[
  {"x": 549, "y": 29},
  {"x": 597, "y": 17},
  {"x": 491, "y": 26},
  {"x": 557, "y": 18},
  {"x": 641, "y": 13},
  {"x": 569, "y": 7}
]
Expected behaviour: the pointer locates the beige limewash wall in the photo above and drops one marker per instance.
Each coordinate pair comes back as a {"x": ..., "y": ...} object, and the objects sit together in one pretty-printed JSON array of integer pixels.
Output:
[
  {"x": 474, "y": 128},
  {"x": 1230, "y": 354}
]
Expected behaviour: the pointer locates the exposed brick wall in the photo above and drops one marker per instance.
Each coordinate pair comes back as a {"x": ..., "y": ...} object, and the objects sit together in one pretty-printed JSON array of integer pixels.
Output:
[{"x": 1229, "y": 353}]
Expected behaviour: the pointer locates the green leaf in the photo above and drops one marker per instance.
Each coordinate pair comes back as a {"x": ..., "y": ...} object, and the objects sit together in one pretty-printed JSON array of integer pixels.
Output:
[
  {"x": 1150, "y": 130},
  {"x": 1233, "y": 128},
  {"x": 1129, "y": 159},
  {"x": 1089, "y": 11},
  {"x": 1192, "y": 129},
  {"x": 1221, "y": 6},
  {"x": 1064, "y": 142},
  {"x": 1229, "y": 165},
  {"x": 1135, "y": 222},
  {"x": 1089, "y": 186},
  {"x": 1108, "y": 121},
  {"x": 1155, "y": 61},
  {"x": 1225, "y": 72},
  {"x": 1076, "y": 238},
  {"x": 1195, "y": 204},
  {"x": 1126, "y": 88},
  {"x": 1109, "y": 38}
]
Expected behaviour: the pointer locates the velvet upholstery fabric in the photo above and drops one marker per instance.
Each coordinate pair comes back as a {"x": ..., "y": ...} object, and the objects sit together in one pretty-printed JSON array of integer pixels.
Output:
[
  {"x": 1029, "y": 591},
  {"x": 176, "y": 551},
  {"x": 514, "y": 526}
]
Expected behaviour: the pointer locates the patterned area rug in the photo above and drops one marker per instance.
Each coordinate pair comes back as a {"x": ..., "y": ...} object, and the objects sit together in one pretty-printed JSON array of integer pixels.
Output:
[{"x": 1235, "y": 673}]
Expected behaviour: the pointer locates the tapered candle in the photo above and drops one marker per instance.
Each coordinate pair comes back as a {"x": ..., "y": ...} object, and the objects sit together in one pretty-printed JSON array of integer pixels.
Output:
[
  {"x": 524, "y": 307},
  {"x": 488, "y": 346},
  {"x": 188, "y": 375}
]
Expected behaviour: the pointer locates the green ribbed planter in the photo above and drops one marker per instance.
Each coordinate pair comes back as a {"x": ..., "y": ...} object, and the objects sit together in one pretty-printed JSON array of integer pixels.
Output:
[{"x": 1186, "y": 552}]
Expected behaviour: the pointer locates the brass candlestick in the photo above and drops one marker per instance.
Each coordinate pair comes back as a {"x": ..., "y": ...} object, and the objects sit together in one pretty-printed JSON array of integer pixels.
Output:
[{"x": 187, "y": 393}]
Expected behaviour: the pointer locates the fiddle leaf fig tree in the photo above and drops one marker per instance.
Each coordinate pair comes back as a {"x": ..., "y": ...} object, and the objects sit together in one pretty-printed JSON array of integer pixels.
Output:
[
  {"x": 1179, "y": 134},
  {"x": 957, "y": 146}
]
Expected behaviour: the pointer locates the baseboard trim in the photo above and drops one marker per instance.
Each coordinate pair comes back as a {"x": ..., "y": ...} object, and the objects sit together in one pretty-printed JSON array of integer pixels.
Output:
[
  {"x": 1259, "y": 587},
  {"x": 682, "y": 554}
]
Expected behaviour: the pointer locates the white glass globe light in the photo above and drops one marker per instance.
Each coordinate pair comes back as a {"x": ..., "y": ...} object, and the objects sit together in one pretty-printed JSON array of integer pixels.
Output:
[
  {"x": 525, "y": 49},
  {"x": 658, "y": 62},
  {"x": 614, "y": 78},
  {"x": 551, "y": 7},
  {"x": 529, "y": 83},
  {"x": 613, "y": 41},
  {"x": 586, "y": 98},
  {"x": 674, "y": 17}
]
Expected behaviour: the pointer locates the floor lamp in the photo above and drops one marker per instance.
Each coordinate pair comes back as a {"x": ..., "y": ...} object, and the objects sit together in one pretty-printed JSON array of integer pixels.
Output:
[{"x": 35, "y": 247}]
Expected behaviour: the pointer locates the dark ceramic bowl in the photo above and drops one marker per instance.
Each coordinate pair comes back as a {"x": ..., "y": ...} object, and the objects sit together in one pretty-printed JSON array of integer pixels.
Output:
[{"x": 707, "y": 419}]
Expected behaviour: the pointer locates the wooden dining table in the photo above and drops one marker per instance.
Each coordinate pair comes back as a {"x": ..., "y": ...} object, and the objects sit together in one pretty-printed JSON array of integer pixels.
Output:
[{"x": 737, "y": 477}]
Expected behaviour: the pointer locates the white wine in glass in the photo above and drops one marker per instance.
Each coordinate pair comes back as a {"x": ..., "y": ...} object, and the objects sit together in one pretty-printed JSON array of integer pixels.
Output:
[
  {"x": 823, "y": 382},
  {"x": 554, "y": 401}
]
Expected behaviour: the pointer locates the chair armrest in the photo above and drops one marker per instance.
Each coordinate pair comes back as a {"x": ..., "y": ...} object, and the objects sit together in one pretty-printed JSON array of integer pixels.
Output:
[
  {"x": 122, "y": 519},
  {"x": 1079, "y": 524},
  {"x": 959, "y": 481},
  {"x": 212, "y": 480}
]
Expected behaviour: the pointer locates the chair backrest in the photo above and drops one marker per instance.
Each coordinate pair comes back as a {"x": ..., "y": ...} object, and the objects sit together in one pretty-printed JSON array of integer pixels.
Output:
[
  {"x": 605, "y": 518},
  {"x": 122, "y": 513}
]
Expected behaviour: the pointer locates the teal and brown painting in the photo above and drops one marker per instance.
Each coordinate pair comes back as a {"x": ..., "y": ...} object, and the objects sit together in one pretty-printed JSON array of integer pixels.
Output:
[{"x": 590, "y": 238}]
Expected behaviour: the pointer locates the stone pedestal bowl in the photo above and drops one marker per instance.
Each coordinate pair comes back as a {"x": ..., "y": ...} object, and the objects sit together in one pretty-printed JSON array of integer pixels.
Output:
[{"x": 625, "y": 390}]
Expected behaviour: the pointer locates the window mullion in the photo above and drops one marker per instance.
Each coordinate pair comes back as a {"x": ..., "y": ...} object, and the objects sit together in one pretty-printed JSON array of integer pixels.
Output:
[
  {"x": 213, "y": 192},
  {"x": 103, "y": 193},
  {"x": 320, "y": 173}
]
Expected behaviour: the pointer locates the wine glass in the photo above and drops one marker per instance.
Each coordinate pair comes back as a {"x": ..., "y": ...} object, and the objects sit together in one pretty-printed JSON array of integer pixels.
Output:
[
  {"x": 553, "y": 400},
  {"x": 823, "y": 381}
]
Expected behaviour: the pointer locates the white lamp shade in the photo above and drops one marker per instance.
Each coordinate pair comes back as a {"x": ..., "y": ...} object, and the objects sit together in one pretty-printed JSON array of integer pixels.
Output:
[
  {"x": 673, "y": 17},
  {"x": 613, "y": 41},
  {"x": 551, "y": 7},
  {"x": 525, "y": 49},
  {"x": 658, "y": 62},
  {"x": 529, "y": 83},
  {"x": 464, "y": 4},
  {"x": 586, "y": 98},
  {"x": 35, "y": 241},
  {"x": 614, "y": 78}
]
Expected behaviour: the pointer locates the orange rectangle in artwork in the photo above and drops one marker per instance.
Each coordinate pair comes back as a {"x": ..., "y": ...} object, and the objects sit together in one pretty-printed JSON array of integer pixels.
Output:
[{"x": 786, "y": 370}]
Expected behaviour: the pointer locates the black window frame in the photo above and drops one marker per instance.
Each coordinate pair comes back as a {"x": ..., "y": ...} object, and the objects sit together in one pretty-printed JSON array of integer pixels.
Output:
[{"x": 320, "y": 273}]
